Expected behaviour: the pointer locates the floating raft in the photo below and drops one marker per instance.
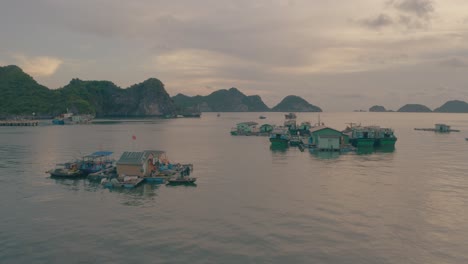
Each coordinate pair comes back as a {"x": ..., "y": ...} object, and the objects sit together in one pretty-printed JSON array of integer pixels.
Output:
[
  {"x": 19, "y": 123},
  {"x": 440, "y": 128},
  {"x": 436, "y": 130}
]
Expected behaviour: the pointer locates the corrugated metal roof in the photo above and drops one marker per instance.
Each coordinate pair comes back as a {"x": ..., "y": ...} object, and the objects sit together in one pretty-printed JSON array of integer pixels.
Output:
[
  {"x": 318, "y": 128},
  {"x": 155, "y": 152},
  {"x": 98, "y": 154},
  {"x": 132, "y": 158}
]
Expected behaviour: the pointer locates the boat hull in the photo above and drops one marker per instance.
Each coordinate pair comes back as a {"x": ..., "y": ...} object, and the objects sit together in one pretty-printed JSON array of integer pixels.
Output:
[
  {"x": 181, "y": 181},
  {"x": 155, "y": 180},
  {"x": 279, "y": 142},
  {"x": 386, "y": 142},
  {"x": 362, "y": 142},
  {"x": 59, "y": 174}
]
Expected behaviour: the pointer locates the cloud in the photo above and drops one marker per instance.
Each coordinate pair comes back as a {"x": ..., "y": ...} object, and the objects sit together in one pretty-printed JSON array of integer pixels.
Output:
[
  {"x": 453, "y": 63},
  {"x": 421, "y": 8},
  {"x": 378, "y": 22},
  {"x": 402, "y": 14},
  {"x": 38, "y": 66}
]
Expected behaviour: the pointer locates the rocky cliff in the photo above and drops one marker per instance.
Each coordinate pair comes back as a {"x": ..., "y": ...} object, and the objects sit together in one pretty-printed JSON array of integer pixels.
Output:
[{"x": 21, "y": 94}]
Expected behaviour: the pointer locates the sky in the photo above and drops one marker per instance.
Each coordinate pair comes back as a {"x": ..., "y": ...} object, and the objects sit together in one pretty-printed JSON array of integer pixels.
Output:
[{"x": 341, "y": 55}]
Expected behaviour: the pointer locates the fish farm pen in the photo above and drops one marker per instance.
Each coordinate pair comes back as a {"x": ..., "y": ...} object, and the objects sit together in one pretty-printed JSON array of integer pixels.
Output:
[{"x": 19, "y": 123}]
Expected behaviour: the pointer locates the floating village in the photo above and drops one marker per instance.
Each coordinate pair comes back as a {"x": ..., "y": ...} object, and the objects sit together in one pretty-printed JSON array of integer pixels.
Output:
[
  {"x": 153, "y": 166},
  {"x": 318, "y": 137},
  {"x": 129, "y": 171}
]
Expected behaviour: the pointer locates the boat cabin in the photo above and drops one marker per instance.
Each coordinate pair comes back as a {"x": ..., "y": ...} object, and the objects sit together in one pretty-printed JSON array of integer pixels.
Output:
[
  {"x": 266, "y": 128},
  {"x": 442, "y": 128}
]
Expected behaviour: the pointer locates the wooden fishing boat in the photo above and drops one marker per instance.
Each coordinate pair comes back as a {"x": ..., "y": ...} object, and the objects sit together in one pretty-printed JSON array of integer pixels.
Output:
[
  {"x": 66, "y": 170},
  {"x": 182, "y": 180}
]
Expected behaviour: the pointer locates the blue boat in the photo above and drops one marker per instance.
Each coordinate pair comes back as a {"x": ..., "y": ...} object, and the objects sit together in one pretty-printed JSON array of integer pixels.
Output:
[
  {"x": 58, "y": 121},
  {"x": 96, "y": 162},
  {"x": 125, "y": 182},
  {"x": 280, "y": 136}
]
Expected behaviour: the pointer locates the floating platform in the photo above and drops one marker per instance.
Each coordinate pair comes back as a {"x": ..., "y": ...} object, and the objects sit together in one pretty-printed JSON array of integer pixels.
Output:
[
  {"x": 19, "y": 123},
  {"x": 440, "y": 128},
  {"x": 436, "y": 130}
]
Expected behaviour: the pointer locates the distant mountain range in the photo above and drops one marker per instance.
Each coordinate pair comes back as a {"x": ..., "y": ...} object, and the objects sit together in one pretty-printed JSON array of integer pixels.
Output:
[
  {"x": 20, "y": 94},
  {"x": 454, "y": 106},
  {"x": 233, "y": 100}
]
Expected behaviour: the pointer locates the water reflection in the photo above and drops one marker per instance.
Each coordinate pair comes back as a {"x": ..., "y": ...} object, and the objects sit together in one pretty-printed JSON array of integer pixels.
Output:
[
  {"x": 279, "y": 148},
  {"x": 326, "y": 154},
  {"x": 180, "y": 185},
  {"x": 145, "y": 190},
  {"x": 371, "y": 150}
]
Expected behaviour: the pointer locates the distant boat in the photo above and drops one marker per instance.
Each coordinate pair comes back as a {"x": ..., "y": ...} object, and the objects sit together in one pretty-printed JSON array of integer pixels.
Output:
[
  {"x": 262, "y": 117},
  {"x": 70, "y": 119},
  {"x": 290, "y": 116}
]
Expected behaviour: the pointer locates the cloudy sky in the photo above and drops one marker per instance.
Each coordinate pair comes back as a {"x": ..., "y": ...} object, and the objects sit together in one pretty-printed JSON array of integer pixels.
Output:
[{"x": 339, "y": 54}]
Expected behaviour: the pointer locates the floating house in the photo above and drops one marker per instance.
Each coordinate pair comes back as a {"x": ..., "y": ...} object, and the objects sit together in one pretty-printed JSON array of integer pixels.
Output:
[
  {"x": 244, "y": 128},
  {"x": 324, "y": 138},
  {"x": 138, "y": 163}
]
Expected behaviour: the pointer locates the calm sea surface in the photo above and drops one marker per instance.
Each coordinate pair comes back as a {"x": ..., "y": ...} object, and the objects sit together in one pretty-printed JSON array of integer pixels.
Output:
[{"x": 251, "y": 204}]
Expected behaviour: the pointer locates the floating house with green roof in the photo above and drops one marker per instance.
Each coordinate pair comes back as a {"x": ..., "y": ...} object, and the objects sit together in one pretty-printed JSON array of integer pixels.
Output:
[{"x": 324, "y": 138}]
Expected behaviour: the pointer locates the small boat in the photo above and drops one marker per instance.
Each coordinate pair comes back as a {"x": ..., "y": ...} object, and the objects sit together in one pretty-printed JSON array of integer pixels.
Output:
[
  {"x": 182, "y": 180},
  {"x": 108, "y": 173},
  {"x": 280, "y": 136},
  {"x": 122, "y": 181},
  {"x": 66, "y": 170},
  {"x": 295, "y": 141},
  {"x": 290, "y": 116},
  {"x": 96, "y": 162},
  {"x": 262, "y": 117}
]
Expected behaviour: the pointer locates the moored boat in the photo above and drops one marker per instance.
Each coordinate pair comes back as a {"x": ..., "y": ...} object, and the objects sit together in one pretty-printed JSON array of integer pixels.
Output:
[
  {"x": 370, "y": 136},
  {"x": 122, "y": 181},
  {"x": 96, "y": 162},
  {"x": 280, "y": 136},
  {"x": 182, "y": 180},
  {"x": 66, "y": 170}
]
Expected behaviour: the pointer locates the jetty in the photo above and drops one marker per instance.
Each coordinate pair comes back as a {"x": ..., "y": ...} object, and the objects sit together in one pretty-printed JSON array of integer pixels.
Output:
[
  {"x": 440, "y": 128},
  {"x": 19, "y": 123}
]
